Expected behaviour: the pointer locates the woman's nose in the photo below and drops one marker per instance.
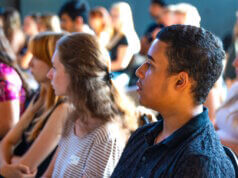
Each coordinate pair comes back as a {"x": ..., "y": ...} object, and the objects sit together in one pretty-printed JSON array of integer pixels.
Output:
[{"x": 49, "y": 74}]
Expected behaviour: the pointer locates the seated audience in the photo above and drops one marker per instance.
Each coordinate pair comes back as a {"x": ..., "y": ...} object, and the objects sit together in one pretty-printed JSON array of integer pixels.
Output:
[
  {"x": 101, "y": 119},
  {"x": 33, "y": 141},
  {"x": 183, "y": 64},
  {"x": 227, "y": 117}
]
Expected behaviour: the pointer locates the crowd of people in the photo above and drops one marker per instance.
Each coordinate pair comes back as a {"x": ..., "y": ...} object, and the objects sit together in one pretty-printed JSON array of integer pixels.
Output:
[{"x": 65, "y": 105}]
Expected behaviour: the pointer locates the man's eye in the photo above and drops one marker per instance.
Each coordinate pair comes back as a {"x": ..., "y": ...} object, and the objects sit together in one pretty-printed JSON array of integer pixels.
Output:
[{"x": 148, "y": 64}]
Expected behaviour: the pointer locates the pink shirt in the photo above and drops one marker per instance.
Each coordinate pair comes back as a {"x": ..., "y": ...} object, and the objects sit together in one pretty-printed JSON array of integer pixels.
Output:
[{"x": 11, "y": 85}]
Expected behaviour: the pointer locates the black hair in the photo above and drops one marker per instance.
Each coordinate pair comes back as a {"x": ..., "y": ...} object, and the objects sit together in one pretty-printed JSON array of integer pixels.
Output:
[
  {"x": 197, "y": 52},
  {"x": 161, "y": 3},
  {"x": 75, "y": 8}
]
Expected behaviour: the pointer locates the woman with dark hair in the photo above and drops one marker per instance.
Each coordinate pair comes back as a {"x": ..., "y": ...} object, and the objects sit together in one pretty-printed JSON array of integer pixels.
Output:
[{"x": 101, "y": 119}]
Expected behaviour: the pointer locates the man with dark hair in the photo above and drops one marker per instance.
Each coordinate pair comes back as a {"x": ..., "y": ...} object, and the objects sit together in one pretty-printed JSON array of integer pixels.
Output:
[
  {"x": 182, "y": 65},
  {"x": 74, "y": 16},
  {"x": 156, "y": 8}
]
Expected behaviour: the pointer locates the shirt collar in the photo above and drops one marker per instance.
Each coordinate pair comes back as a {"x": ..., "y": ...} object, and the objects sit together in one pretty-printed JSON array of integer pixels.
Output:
[{"x": 182, "y": 133}]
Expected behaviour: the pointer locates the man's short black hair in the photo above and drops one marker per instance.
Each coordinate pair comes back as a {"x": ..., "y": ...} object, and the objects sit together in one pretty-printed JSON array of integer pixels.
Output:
[
  {"x": 75, "y": 8},
  {"x": 161, "y": 3},
  {"x": 197, "y": 52}
]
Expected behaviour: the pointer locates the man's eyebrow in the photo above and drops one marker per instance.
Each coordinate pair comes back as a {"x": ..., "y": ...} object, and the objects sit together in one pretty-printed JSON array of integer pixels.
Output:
[{"x": 151, "y": 58}]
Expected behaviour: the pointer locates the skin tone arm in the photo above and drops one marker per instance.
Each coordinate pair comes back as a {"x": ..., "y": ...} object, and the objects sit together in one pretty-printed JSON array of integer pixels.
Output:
[
  {"x": 48, "y": 173},
  {"x": 10, "y": 113},
  {"x": 13, "y": 171},
  {"x": 50, "y": 136},
  {"x": 14, "y": 135},
  {"x": 123, "y": 58}
]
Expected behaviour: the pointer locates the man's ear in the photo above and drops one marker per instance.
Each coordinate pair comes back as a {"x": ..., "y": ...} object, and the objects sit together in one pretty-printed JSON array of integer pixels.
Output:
[{"x": 182, "y": 80}]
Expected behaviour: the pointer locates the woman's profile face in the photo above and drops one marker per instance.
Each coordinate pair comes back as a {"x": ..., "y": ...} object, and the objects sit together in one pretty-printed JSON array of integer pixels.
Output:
[
  {"x": 39, "y": 69},
  {"x": 96, "y": 23},
  {"x": 115, "y": 17},
  {"x": 59, "y": 77}
]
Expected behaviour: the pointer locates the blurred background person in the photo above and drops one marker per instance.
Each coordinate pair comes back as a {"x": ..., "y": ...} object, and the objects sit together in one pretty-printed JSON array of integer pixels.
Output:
[
  {"x": 43, "y": 22},
  {"x": 101, "y": 24},
  {"x": 12, "y": 29},
  {"x": 156, "y": 9},
  {"x": 74, "y": 16},
  {"x": 186, "y": 14},
  {"x": 30, "y": 29},
  {"x": 124, "y": 42},
  {"x": 232, "y": 53},
  {"x": 226, "y": 120},
  {"x": 48, "y": 22},
  {"x": 30, "y": 25}
]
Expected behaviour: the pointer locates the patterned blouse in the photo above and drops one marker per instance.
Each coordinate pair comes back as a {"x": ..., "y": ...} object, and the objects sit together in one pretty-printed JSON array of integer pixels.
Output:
[
  {"x": 94, "y": 155},
  {"x": 11, "y": 85}
]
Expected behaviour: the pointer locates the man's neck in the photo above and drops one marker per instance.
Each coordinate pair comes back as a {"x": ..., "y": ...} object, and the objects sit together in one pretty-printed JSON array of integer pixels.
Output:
[{"x": 175, "y": 120}]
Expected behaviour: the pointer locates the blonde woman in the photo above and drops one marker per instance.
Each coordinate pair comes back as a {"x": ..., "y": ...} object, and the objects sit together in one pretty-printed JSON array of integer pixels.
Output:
[
  {"x": 33, "y": 141},
  {"x": 125, "y": 42},
  {"x": 49, "y": 22}
]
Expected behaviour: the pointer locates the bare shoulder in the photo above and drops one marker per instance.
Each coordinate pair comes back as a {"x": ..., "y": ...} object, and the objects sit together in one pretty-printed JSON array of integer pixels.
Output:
[{"x": 60, "y": 113}]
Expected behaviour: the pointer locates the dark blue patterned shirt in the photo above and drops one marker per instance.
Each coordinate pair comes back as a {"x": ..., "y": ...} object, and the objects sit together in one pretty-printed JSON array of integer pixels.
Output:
[{"x": 192, "y": 151}]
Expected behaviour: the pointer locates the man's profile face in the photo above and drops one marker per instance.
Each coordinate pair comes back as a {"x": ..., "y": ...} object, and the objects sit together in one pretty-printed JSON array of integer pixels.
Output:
[
  {"x": 66, "y": 23},
  {"x": 154, "y": 84}
]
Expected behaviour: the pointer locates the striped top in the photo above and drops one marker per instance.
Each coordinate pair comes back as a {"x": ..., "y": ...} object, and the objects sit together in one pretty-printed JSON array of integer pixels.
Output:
[{"x": 94, "y": 155}]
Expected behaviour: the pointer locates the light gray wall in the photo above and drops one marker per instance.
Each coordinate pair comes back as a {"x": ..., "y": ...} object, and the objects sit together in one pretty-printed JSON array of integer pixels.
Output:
[{"x": 218, "y": 16}]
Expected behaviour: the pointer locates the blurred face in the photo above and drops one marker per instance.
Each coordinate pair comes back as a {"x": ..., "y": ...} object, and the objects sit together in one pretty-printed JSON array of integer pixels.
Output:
[
  {"x": 58, "y": 76},
  {"x": 154, "y": 86},
  {"x": 115, "y": 17},
  {"x": 39, "y": 69},
  {"x": 41, "y": 26},
  {"x": 180, "y": 18},
  {"x": 30, "y": 26},
  {"x": 167, "y": 18},
  {"x": 155, "y": 11},
  {"x": 96, "y": 23},
  {"x": 66, "y": 23}
]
